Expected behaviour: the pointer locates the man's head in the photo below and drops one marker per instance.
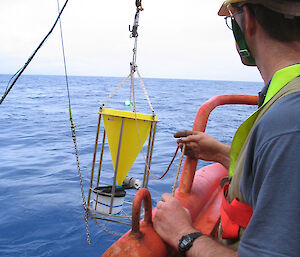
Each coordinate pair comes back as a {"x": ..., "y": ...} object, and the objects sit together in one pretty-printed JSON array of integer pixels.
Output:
[
  {"x": 280, "y": 19},
  {"x": 287, "y": 7}
]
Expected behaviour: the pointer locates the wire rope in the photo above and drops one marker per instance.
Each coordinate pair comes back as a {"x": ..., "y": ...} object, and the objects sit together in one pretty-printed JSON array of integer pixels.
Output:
[{"x": 74, "y": 132}]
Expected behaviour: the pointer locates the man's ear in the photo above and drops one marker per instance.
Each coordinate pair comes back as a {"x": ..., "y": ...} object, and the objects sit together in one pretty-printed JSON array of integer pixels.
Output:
[{"x": 250, "y": 23}]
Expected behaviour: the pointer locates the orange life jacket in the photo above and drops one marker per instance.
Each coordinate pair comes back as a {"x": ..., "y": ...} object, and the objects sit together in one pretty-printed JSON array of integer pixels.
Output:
[{"x": 233, "y": 216}]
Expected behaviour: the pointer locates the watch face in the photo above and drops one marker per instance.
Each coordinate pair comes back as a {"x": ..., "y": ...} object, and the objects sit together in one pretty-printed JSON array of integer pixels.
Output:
[{"x": 186, "y": 241}]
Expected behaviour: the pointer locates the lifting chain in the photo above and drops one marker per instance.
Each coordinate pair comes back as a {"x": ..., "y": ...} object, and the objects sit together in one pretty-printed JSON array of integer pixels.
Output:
[{"x": 81, "y": 183}]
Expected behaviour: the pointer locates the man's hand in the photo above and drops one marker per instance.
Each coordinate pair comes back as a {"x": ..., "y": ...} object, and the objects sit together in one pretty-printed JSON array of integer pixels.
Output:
[
  {"x": 204, "y": 147},
  {"x": 171, "y": 220}
]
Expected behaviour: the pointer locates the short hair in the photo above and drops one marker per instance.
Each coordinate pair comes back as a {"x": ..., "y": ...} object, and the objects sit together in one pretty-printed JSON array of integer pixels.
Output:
[{"x": 276, "y": 25}]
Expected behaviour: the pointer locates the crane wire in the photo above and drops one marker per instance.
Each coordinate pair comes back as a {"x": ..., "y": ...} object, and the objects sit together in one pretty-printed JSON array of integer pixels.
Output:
[{"x": 21, "y": 70}]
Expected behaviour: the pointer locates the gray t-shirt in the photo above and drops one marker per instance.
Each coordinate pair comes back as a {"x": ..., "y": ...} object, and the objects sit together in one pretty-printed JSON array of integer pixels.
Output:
[{"x": 271, "y": 183}]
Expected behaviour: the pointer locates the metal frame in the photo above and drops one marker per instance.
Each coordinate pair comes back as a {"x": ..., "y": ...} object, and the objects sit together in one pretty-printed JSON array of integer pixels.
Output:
[{"x": 93, "y": 180}]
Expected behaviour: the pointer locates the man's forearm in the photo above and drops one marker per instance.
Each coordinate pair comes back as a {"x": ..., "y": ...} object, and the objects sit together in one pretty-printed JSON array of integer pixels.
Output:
[
  {"x": 205, "y": 246},
  {"x": 223, "y": 156}
]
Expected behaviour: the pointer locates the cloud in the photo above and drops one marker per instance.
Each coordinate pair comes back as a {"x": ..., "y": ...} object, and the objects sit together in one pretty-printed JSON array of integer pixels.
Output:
[{"x": 177, "y": 39}]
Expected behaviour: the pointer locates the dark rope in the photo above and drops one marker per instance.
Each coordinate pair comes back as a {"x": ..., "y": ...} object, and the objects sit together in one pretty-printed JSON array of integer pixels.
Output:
[
  {"x": 20, "y": 71},
  {"x": 159, "y": 178}
]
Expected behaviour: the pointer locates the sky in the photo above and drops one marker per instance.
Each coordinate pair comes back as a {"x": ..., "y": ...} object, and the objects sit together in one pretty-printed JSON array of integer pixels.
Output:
[{"x": 183, "y": 39}]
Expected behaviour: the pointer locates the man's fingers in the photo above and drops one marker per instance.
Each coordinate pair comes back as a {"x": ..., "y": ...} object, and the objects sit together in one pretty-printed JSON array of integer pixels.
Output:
[
  {"x": 159, "y": 204},
  {"x": 183, "y": 133},
  {"x": 188, "y": 148}
]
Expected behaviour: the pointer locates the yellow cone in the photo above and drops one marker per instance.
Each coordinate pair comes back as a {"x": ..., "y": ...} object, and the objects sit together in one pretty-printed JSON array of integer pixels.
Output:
[{"x": 136, "y": 130}]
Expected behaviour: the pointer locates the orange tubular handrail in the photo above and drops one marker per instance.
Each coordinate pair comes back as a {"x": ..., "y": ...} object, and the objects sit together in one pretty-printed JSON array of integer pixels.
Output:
[
  {"x": 142, "y": 240},
  {"x": 142, "y": 195},
  {"x": 190, "y": 165}
]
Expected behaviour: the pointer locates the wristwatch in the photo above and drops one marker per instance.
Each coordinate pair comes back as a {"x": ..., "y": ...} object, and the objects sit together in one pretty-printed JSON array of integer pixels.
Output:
[{"x": 186, "y": 242}]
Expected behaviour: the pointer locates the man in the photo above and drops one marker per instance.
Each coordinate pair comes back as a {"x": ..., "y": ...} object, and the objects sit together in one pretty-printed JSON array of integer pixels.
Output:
[{"x": 264, "y": 160}]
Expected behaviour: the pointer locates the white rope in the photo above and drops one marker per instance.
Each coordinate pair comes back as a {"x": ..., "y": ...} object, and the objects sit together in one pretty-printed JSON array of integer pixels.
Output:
[
  {"x": 116, "y": 89},
  {"x": 144, "y": 89},
  {"x": 132, "y": 90}
]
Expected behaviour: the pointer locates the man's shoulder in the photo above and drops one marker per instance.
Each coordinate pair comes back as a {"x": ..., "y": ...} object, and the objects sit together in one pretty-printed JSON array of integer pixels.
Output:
[
  {"x": 287, "y": 105},
  {"x": 282, "y": 118},
  {"x": 281, "y": 121}
]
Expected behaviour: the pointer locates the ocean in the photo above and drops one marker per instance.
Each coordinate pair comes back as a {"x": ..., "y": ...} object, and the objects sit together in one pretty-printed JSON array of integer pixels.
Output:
[{"x": 41, "y": 211}]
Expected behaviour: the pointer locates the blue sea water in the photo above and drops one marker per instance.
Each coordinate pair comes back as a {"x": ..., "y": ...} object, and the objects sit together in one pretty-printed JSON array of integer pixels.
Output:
[{"x": 41, "y": 210}]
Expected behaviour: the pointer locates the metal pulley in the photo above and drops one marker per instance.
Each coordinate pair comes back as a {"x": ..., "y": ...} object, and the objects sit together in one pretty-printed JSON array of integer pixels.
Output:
[
  {"x": 133, "y": 31},
  {"x": 135, "y": 26},
  {"x": 138, "y": 4}
]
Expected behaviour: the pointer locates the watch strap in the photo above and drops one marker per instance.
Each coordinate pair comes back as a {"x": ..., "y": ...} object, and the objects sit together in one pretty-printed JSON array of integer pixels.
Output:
[
  {"x": 191, "y": 237},
  {"x": 195, "y": 235}
]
